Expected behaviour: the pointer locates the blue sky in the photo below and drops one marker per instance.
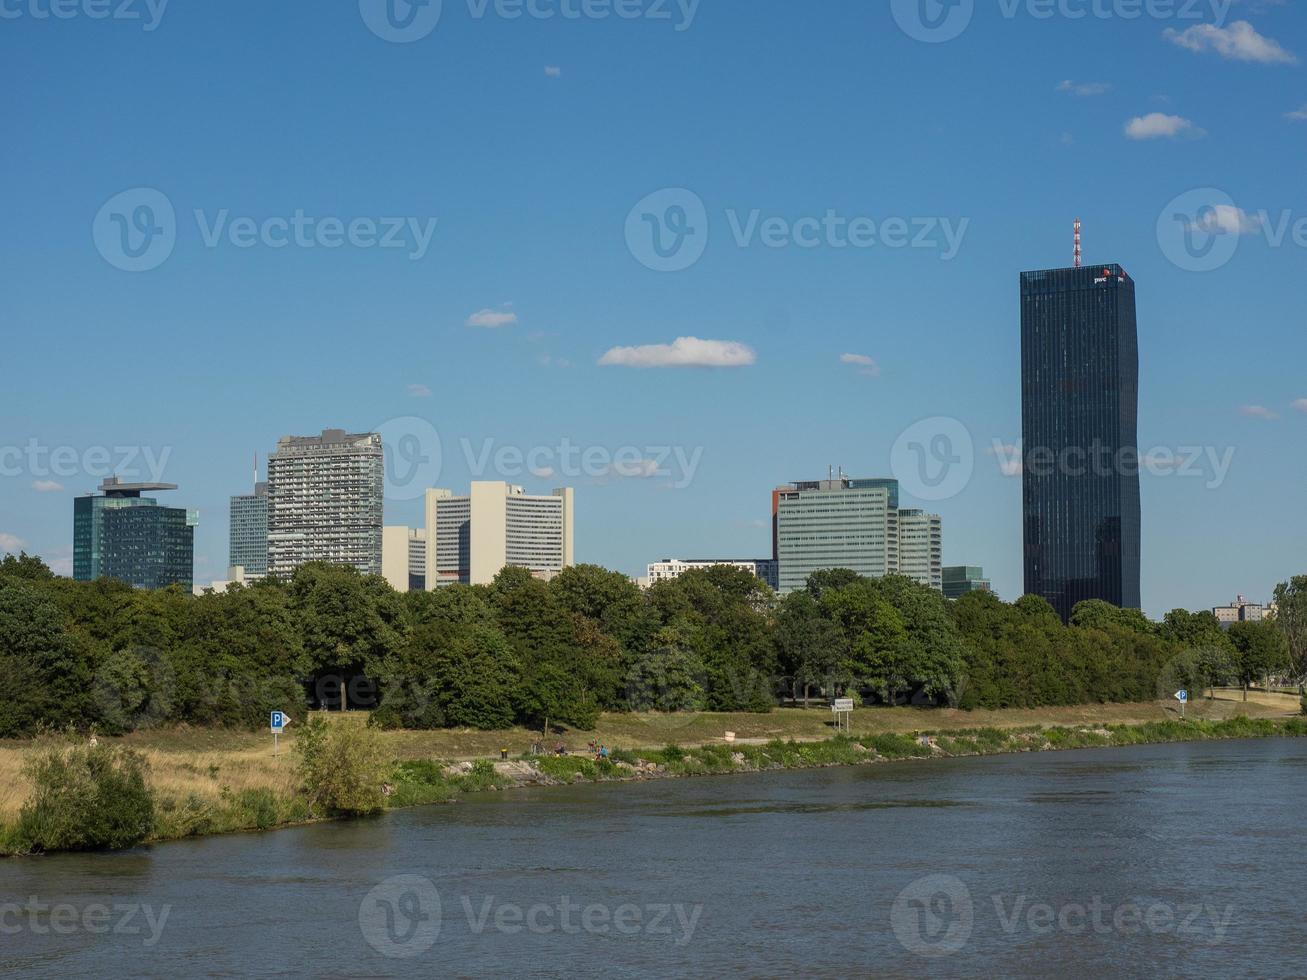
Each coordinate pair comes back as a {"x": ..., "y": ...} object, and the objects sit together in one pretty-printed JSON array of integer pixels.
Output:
[{"x": 531, "y": 139}]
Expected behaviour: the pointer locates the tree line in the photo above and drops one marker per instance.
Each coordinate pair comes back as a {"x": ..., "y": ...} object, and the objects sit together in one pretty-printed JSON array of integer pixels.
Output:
[{"x": 521, "y": 651}]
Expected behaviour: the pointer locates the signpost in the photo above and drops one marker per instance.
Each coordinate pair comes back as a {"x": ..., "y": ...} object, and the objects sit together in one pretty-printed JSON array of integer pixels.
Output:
[
  {"x": 843, "y": 711},
  {"x": 279, "y": 721},
  {"x": 1182, "y": 696}
]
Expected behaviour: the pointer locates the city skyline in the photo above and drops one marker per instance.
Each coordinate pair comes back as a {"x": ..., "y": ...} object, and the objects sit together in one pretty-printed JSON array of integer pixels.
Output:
[{"x": 529, "y": 320}]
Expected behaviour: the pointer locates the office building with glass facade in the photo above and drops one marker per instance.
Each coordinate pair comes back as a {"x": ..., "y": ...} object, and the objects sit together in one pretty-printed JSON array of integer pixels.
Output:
[
  {"x": 961, "y": 579},
  {"x": 121, "y": 535},
  {"x": 1079, "y": 421},
  {"x": 851, "y": 523},
  {"x": 248, "y": 533}
]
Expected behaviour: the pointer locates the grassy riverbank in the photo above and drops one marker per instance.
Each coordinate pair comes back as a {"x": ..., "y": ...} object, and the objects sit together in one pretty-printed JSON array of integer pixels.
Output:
[{"x": 207, "y": 782}]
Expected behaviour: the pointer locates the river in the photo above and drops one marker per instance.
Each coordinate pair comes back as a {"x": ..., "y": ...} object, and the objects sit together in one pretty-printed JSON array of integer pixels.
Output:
[{"x": 1175, "y": 860}]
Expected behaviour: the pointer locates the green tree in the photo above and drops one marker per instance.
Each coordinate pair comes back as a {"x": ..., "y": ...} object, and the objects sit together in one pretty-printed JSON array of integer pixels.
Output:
[
  {"x": 1097, "y": 614},
  {"x": 1291, "y": 617},
  {"x": 810, "y": 648},
  {"x": 44, "y": 673},
  {"x": 553, "y": 695},
  {"x": 25, "y": 566},
  {"x": 830, "y": 578},
  {"x": 667, "y": 679},
  {"x": 351, "y": 624},
  {"x": 1262, "y": 650}
]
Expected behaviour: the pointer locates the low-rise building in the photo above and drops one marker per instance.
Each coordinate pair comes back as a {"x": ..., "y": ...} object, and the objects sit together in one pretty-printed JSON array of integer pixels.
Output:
[
  {"x": 958, "y": 580},
  {"x": 1241, "y": 611},
  {"x": 670, "y": 568}
]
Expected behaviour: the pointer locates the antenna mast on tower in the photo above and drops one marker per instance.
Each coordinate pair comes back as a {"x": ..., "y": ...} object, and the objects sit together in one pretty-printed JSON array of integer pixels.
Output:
[{"x": 1077, "y": 252}]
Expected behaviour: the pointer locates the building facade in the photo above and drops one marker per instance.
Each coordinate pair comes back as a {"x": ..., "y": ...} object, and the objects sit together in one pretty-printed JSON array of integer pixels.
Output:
[
  {"x": 855, "y": 524},
  {"x": 325, "y": 501},
  {"x": 404, "y": 558},
  {"x": 470, "y": 539},
  {"x": 670, "y": 568},
  {"x": 921, "y": 547},
  {"x": 1079, "y": 420},
  {"x": 122, "y": 535},
  {"x": 247, "y": 546},
  {"x": 1242, "y": 611},
  {"x": 958, "y": 580}
]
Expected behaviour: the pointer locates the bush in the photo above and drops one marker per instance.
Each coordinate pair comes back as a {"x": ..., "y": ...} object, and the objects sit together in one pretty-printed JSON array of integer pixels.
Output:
[
  {"x": 86, "y": 798},
  {"x": 343, "y": 766},
  {"x": 256, "y": 808}
]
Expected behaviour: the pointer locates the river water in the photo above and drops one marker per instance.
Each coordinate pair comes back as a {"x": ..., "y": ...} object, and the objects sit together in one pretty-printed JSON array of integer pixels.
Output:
[{"x": 1174, "y": 860}]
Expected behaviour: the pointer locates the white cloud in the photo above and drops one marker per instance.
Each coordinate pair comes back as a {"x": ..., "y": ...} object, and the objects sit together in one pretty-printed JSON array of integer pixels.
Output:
[
  {"x": 1298, "y": 114},
  {"x": 1159, "y": 124},
  {"x": 419, "y": 391},
  {"x": 10, "y": 542},
  {"x": 682, "y": 352},
  {"x": 1226, "y": 219},
  {"x": 47, "y": 486},
  {"x": 1085, "y": 88},
  {"x": 490, "y": 319},
  {"x": 543, "y": 472},
  {"x": 866, "y": 365},
  {"x": 1301, "y": 405},
  {"x": 1257, "y": 412},
  {"x": 553, "y": 71},
  {"x": 1238, "y": 42},
  {"x": 62, "y": 564}
]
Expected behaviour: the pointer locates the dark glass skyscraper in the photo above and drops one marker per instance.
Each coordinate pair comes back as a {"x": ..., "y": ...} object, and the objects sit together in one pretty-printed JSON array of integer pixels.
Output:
[
  {"x": 1079, "y": 421},
  {"x": 125, "y": 536}
]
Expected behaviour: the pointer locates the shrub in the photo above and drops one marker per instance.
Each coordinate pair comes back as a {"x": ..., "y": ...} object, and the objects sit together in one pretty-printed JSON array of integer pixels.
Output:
[
  {"x": 86, "y": 798},
  {"x": 343, "y": 766},
  {"x": 256, "y": 807},
  {"x": 421, "y": 781},
  {"x": 568, "y": 767}
]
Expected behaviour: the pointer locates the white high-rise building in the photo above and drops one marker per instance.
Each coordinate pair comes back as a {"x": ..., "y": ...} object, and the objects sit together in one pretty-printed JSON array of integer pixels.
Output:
[
  {"x": 470, "y": 539},
  {"x": 921, "y": 548},
  {"x": 843, "y": 522},
  {"x": 325, "y": 501},
  {"x": 404, "y": 557}
]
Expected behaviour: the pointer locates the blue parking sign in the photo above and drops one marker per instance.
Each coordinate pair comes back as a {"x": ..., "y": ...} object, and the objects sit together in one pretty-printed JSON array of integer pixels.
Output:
[{"x": 278, "y": 722}]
